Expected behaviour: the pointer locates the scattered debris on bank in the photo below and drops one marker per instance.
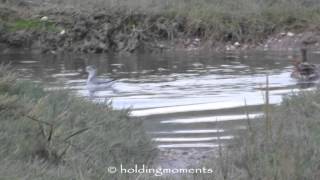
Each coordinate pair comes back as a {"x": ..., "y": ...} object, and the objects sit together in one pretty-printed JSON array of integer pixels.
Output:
[{"x": 103, "y": 31}]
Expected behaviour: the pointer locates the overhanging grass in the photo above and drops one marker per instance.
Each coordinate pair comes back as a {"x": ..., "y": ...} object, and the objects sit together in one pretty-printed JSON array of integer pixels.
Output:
[{"x": 59, "y": 136}]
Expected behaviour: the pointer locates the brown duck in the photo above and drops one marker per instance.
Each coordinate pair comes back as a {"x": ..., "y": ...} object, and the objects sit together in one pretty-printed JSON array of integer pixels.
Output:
[{"x": 303, "y": 70}]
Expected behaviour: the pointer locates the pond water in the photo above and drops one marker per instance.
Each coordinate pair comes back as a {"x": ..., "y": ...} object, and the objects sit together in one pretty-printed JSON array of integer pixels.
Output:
[{"x": 186, "y": 99}]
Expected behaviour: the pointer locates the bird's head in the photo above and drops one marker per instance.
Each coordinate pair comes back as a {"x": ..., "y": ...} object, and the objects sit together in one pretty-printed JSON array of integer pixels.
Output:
[
  {"x": 296, "y": 62},
  {"x": 91, "y": 69}
]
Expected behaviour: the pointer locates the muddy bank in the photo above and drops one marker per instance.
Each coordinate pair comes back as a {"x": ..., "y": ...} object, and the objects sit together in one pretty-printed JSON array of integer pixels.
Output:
[
  {"x": 98, "y": 32},
  {"x": 54, "y": 31}
]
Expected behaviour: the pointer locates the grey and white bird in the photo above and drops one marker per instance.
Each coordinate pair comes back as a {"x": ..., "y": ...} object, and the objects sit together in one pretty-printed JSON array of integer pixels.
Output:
[{"x": 94, "y": 84}]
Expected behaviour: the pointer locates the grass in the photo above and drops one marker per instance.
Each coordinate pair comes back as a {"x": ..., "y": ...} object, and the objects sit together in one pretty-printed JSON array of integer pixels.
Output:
[
  {"x": 216, "y": 20},
  {"x": 127, "y": 26},
  {"x": 242, "y": 20},
  {"x": 31, "y": 24},
  {"x": 284, "y": 146},
  {"x": 59, "y": 136},
  {"x": 15, "y": 19},
  {"x": 13, "y": 25}
]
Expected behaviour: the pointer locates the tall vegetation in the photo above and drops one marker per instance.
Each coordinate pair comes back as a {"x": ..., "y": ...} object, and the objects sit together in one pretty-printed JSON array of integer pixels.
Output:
[
  {"x": 287, "y": 147},
  {"x": 59, "y": 136}
]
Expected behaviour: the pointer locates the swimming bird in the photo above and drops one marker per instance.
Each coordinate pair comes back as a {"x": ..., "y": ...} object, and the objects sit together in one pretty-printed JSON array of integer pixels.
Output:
[
  {"x": 303, "y": 70},
  {"x": 94, "y": 84}
]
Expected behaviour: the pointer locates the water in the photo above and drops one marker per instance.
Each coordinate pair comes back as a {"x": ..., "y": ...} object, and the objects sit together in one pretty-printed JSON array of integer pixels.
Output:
[{"x": 186, "y": 100}]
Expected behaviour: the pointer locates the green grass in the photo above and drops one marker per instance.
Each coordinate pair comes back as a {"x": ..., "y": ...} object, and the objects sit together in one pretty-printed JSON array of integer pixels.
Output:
[
  {"x": 31, "y": 24},
  {"x": 59, "y": 136}
]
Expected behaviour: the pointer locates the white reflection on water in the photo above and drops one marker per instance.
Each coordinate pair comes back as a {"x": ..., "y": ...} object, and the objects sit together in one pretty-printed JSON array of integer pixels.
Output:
[{"x": 214, "y": 118}]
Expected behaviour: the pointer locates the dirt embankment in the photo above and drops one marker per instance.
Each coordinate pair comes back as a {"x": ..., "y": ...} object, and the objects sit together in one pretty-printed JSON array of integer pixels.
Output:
[
  {"x": 102, "y": 31},
  {"x": 97, "y": 32}
]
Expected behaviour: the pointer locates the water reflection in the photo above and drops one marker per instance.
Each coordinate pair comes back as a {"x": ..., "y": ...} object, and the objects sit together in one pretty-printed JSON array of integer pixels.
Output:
[{"x": 185, "y": 100}]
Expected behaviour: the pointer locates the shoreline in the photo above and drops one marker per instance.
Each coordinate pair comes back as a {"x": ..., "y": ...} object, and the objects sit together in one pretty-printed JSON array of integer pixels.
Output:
[{"x": 98, "y": 32}]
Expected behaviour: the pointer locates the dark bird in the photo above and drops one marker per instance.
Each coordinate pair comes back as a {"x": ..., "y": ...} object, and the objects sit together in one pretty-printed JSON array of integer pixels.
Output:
[{"x": 303, "y": 70}]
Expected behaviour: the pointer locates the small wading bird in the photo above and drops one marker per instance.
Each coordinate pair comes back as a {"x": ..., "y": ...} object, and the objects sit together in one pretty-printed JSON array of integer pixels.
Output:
[
  {"x": 94, "y": 84},
  {"x": 303, "y": 70}
]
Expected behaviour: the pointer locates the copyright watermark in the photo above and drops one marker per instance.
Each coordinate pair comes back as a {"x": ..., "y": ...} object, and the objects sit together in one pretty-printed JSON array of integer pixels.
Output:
[
  {"x": 112, "y": 169},
  {"x": 157, "y": 171}
]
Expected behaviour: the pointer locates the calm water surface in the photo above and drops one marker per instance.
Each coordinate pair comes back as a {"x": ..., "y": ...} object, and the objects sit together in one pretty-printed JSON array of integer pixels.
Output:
[{"x": 184, "y": 99}]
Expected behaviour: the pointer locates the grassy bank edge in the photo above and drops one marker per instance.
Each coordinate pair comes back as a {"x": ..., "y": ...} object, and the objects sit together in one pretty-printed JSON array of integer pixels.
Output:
[{"x": 132, "y": 26}]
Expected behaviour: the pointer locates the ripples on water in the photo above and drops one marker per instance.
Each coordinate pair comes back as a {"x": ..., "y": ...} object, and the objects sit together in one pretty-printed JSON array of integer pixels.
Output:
[{"x": 185, "y": 100}]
